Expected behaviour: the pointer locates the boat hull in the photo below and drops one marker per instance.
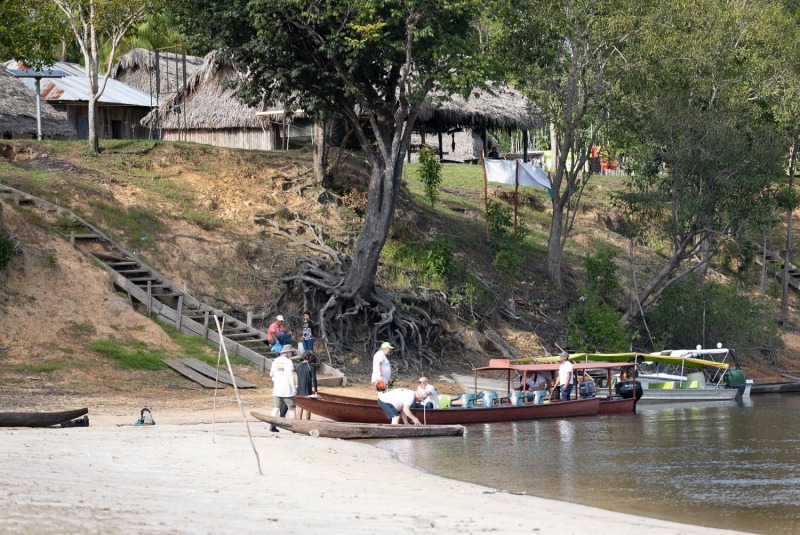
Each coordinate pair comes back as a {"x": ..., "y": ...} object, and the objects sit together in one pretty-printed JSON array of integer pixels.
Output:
[
  {"x": 349, "y": 430},
  {"x": 775, "y": 388},
  {"x": 370, "y": 412},
  {"x": 653, "y": 396},
  {"x": 39, "y": 419}
]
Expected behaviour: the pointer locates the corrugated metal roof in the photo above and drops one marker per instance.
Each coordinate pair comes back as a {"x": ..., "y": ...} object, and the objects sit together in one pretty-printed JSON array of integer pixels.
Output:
[{"x": 72, "y": 88}]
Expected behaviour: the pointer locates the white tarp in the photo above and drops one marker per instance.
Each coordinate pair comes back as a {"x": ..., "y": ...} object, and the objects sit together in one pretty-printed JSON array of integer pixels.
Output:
[{"x": 504, "y": 172}]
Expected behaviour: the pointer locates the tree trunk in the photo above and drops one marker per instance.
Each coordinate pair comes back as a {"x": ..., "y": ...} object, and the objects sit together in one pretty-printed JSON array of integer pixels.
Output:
[
  {"x": 784, "y": 317},
  {"x": 320, "y": 151},
  {"x": 91, "y": 77},
  {"x": 636, "y": 309},
  {"x": 554, "y": 250},
  {"x": 384, "y": 187}
]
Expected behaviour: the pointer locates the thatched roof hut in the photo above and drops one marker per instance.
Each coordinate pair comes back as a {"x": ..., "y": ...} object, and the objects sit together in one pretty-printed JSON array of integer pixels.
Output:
[
  {"x": 138, "y": 69},
  {"x": 18, "y": 112},
  {"x": 497, "y": 107}
]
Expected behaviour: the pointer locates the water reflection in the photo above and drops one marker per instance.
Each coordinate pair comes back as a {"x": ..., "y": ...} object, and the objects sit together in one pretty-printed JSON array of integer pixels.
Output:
[{"x": 721, "y": 465}]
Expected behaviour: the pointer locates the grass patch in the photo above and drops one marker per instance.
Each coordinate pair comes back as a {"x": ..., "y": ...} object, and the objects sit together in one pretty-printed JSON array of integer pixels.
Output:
[
  {"x": 199, "y": 348},
  {"x": 46, "y": 367},
  {"x": 137, "y": 356},
  {"x": 133, "y": 222}
]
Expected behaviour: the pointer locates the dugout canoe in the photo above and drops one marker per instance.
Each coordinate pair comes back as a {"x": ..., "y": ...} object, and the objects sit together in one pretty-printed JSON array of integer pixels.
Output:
[
  {"x": 39, "y": 419},
  {"x": 369, "y": 411},
  {"x": 346, "y": 430}
]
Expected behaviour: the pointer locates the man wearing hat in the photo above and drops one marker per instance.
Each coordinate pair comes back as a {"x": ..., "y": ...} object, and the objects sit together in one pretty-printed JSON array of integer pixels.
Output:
[
  {"x": 276, "y": 334},
  {"x": 381, "y": 367},
  {"x": 283, "y": 387},
  {"x": 429, "y": 394},
  {"x": 565, "y": 374}
]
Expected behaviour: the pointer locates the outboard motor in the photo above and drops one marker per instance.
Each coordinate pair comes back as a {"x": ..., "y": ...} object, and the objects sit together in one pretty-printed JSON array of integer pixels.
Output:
[
  {"x": 587, "y": 389},
  {"x": 626, "y": 390}
]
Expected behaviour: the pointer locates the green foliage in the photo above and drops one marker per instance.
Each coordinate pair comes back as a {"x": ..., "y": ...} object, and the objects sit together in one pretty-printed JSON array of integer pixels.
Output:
[
  {"x": 595, "y": 327},
  {"x": 30, "y": 30},
  {"x": 46, "y": 367},
  {"x": 429, "y": 173},
  {"x": 468, "y": 297},
  {"x": 690, "y": 313},
  {"x": 601, "y": 275},
  {"x": 433, "y": 259},
  {"x": 7, "y": 247},
  {"x": 199, "y": 348},
  {"x": 509, "y": 254},
  {"x": 133, "y": 355}
]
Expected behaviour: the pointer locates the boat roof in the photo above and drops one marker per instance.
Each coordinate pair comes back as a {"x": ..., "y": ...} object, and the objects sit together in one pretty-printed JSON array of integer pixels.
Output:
[
  {"x": 687, "y": 358},
  {"x": 504, "y": 364}
]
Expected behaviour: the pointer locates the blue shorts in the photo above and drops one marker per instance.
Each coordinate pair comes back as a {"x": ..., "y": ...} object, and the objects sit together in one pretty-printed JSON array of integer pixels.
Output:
[{"x": 388, "y": 409}]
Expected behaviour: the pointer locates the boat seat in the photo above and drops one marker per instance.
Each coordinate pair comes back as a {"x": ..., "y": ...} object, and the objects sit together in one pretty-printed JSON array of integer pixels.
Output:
[
  {"x": 662, "y": 385},
  {"x": 683, "y": 385},
  {"x": 467, "y": 401},
  {"x": 444, "y": 401},
  {"x": 538, "y": 396},
  {"x": 514, "y": 398},
  {"x": 487, "y": 398}
]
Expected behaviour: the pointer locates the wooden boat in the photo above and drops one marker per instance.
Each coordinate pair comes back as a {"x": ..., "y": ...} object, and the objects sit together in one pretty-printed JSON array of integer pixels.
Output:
[
  {"x": 775, "y": 388},
  {"x": 607, "y": 406},
  {"x": 610, "y": 403},
  {"x": 368, "y": 411},
  {"x": 347, "y": 430},
  {"x": 39, "y": 419}
]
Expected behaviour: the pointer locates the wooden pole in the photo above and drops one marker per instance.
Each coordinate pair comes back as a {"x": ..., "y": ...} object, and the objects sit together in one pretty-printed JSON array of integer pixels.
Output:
[
  {"x": 236, "y": 391},
  {"x": 485, "y": 193},
  {"x": 516, "y": 198}
]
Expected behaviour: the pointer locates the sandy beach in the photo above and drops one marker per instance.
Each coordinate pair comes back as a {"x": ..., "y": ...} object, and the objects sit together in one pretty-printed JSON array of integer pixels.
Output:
[{"x": 179, "y": 477}]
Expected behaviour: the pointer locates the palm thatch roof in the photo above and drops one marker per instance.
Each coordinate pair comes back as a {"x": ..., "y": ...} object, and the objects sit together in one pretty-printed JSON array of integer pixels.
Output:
[
  {"x": 18, "y": 111},
  {"x": 498, "y": 107},
  {"x": 205, "y": 102},
  {"x": 137, "y": 68}
]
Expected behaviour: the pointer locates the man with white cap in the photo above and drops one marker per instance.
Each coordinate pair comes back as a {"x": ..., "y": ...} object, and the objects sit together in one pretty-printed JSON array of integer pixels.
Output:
[
  {"x": 276, "y": 334},
  {"x": 283, "y": 387},
  {"x": 565, "y": 374},
  {"x": 381, "y": 367}
]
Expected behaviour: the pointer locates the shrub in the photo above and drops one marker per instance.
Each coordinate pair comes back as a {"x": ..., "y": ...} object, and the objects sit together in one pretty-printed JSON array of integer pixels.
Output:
[
  {"x": 7, "y": 247},
  {"x": 429, "y": 173},
  {"x": 596, "y": 327}
]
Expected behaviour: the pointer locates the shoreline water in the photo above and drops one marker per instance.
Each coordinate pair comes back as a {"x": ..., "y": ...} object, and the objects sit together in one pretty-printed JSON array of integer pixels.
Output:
[{"x": 173, "y": 478}]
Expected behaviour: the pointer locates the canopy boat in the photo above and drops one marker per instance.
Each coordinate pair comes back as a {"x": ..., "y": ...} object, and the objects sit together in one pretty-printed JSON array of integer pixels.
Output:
[
  {"x": 610, "y": 403},
  {"x": 39, "y": 419},
  {"x": 348, "y": 430},
  {"x": 685, "y": 375},
  {"x": 367, "y": 411}
]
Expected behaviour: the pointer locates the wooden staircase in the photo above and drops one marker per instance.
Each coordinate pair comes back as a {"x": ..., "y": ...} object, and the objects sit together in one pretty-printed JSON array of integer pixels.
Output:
[
  {"x": 163, "y": 299},
  {"x": 774, "y": 263}
]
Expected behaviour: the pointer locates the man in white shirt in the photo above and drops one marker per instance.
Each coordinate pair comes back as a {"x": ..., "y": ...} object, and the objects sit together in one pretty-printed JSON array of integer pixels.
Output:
[
  {"x": 397, "y": 402},
  {"x": 283, "y": 387},
  {"x": 565, "y": 374},
  {"x": 381, "y": 367},
  {"x": 430, "y": 396}
]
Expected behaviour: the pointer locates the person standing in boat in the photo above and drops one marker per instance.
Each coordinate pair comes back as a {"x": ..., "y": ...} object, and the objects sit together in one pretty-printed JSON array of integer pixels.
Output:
[
  {"x": 565, "y": 374},
  {"x": 430, "y": 396},
  {"x": 396, "y": 403},
  {"x": 283, "y": 387},
  {"x": 381, "y": 367},
  {"x": 306, "y": 380}
]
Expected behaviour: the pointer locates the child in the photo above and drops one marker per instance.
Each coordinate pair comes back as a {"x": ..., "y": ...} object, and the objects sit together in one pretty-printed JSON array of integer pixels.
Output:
[{"x": 308, "y": 332}]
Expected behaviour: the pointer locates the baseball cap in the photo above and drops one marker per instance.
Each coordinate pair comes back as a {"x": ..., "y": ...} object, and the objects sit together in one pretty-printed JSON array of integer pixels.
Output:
[
  {"x": 564, "y": 355},
  {"x": 279, "y": 318},
  {"x": 387, "y": 345}
]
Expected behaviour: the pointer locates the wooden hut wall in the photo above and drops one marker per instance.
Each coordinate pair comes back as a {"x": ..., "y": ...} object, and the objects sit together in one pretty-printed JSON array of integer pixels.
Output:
[
  {"x": 235, "y": 138},
  {"x": 458, "y": 146},
  {"x": 113, "y": 122}
]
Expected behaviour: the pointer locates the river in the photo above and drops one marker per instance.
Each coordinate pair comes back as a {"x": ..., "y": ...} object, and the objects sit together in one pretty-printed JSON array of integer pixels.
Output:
[{"x": 725, "y": 465}]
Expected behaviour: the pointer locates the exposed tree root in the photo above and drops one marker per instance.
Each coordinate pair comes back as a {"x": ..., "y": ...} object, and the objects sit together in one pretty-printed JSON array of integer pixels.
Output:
[{"x": 411, "y": 321}]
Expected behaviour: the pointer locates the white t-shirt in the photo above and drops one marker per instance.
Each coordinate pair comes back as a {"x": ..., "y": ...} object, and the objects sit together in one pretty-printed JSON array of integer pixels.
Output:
[
  {"x": 398, "y": 398},
  {"x": 431, "y": 395},
  {"x": 565, "y": 369},
  {"x": 537, "y": 381},
  {"x": 282, "y": 373},
  {"x": 381, "y": 368}
]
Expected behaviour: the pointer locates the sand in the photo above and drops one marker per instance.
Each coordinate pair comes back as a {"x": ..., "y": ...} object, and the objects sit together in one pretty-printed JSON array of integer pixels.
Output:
[{"x": 179, "y": 477}]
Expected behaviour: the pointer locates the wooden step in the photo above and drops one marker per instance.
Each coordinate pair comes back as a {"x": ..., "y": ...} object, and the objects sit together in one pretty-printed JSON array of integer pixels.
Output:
[
  {"x": 208, "y": 371},
  {"x": 90, "y": 236},
  {"x": 137, "y": 280},
  {"x": 189, "y": 373},
  {"x": 236, "y": 336}
]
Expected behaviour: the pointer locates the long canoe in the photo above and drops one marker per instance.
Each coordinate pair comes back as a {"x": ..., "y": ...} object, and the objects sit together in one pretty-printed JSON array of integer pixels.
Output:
[
  {"x": 607, "y": 405},
  {"x": 369, "y": 411},
  {"x": 348, "y": 430},
  {"x": 775, "y": 388},
  {"x": 39, "y": 419}
]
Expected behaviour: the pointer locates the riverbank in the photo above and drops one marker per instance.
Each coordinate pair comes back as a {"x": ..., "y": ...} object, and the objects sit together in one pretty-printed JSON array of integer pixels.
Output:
[{"x": 182, "y": 476}]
